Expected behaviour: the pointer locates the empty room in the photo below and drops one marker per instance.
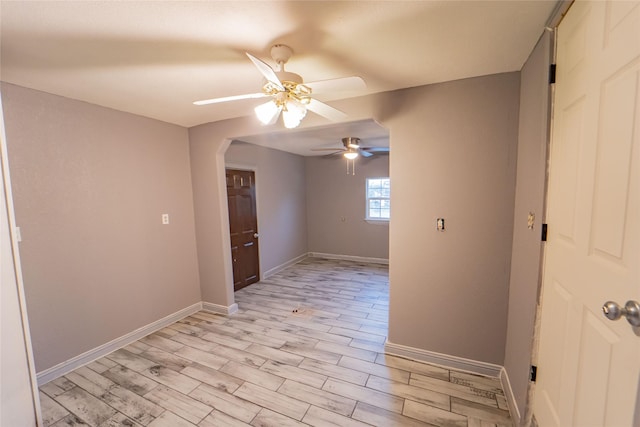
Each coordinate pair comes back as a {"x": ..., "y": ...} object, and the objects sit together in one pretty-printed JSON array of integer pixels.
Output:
[{"x": 320, "y": 213}]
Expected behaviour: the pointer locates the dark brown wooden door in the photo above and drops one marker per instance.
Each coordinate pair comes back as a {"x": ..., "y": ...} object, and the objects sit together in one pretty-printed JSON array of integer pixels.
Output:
[{"x": 243, "y": 225}]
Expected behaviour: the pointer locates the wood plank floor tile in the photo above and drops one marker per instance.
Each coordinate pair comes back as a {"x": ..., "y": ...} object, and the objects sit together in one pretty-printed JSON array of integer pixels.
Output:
[
  {"x": 85, "y": 406},
  {"x": 375, "y": 416},
  {"x": 347, "y": 350},
  {"x": 267, "y": 418},
  {"x": 120, "y": 420},
  {"x": 51, "y": 390},
  {"x": 319, "y": 417},
  {"x": 267, "y": 365},
  {"x": 477, "y": 381},
  {"x": 231, "y": 405},
  {"x": 130, "y": 380},
  {"x": 252, "y": 375},
  {"x": 272, "y": 400},
  {"x": 169, "y": 419},
  {"x": 51, "y": 410},
  {"x": 168, "y": 360},
  {"x": 136, "y": 347},
  {"x": 265, "y": 352},
  {"x": 125, "y": 401},
  {"x": 375, "y": 369},
  {"x": 317, "y": 397},
  {"x": 312, "y": 353},
  {"x": 464, "y": 392},
  {"x": 476, "y": 410},
  {"x": 226, "y": 340},
  {"x": 220, "y": 419},
  {"x": 202, "y": 357},
  {"x": 194, "y": 342},
  {"x": 433, "y": 415},
  {"x": 130, "y": 360},
  {"x": 294, "y": 373},
  {"x": 70, "y": 421},
  {"x": 162, "y": 343},
  {"x": 338, "y": 372},
  {"x": 101, "y": 365},
  {"x": 413, "y": 366},
  {"x": 364, "y": 394},
  {"x": 172, "y": 379},
  {"x": 180, "y": 404},
  {"x": 409, "y": 392},
  {"x": 246, "y": 357},
  {"x": 213, "y": 377}
]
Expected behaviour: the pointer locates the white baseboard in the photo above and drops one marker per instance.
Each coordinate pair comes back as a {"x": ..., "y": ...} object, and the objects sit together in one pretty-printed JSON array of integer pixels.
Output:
[
  {"x": 65, "y": 367},
  {"x": 282, "y": 266},
  {"x": 220, "y": 309},
  {"x": 350, "y": 258},
  {"x": 511, "y": 400},
  {"x": 445, "y": 360}
]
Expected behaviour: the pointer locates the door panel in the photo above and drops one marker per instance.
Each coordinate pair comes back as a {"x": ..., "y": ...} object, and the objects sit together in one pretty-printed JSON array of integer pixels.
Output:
[
  {"x": 589, "y": 366},
  {"x": 243, "y": 227}
]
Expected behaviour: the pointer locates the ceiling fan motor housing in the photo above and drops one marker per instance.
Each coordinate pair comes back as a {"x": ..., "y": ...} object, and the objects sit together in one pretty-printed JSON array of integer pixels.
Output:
[
  {"x": 351, "y": 142},
  {"x": 281, "y": 54}
]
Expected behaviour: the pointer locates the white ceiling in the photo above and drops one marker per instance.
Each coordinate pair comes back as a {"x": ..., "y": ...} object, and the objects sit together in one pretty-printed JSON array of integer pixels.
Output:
[{"x": 155, "y": 58}]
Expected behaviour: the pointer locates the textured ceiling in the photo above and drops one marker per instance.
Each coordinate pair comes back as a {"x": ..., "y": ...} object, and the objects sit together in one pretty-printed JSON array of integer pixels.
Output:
[{"x": 155, "y": 58}]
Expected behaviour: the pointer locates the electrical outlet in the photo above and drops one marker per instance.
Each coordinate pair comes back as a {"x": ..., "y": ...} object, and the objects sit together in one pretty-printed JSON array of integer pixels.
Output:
[{"x": 165, "y": 219}]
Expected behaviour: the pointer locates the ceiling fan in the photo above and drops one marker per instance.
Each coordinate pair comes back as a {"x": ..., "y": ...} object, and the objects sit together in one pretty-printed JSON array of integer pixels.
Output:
[
  {"x": 353, "y": 148},
  {"x": 289, "y": 94}
]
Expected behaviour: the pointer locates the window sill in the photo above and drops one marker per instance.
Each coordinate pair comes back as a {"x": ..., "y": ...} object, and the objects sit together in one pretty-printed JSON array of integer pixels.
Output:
[{"x": 377, "y": 221}]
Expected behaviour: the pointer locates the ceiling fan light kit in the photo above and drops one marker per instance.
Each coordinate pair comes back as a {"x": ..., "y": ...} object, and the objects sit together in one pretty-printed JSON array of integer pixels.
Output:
[
  {"x": 350, "y": 154},
  {"x": 289, "y": 95}
]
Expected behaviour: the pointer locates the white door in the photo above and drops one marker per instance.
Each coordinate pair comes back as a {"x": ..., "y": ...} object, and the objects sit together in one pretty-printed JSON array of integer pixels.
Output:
[
  {"x": 589, "y": 366},
  {"x": 18, "y": 390}
]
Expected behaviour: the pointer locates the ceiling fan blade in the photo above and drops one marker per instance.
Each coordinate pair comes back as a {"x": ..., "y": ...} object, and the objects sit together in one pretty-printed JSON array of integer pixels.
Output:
[
  {"x": 266, "y": 71},
  {"x": 230, "y": 98},
  {"x": 326, "y": 110},
  {"x": 328, "y": 149},
  {"x": 337, "y": 85},
  {"x": 376, "y": 149},
  {"x": 364, "y": 153}
]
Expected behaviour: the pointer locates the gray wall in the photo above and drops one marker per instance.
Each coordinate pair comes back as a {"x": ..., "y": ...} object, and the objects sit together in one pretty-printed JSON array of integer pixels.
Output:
[
  {"x": 89, "y": 186},
  {"x": 280, "y": 201},
  {"x": 453, "y": 156},
  {"x": 530, "y": 181},
  {"x": 334, "y": 195}
]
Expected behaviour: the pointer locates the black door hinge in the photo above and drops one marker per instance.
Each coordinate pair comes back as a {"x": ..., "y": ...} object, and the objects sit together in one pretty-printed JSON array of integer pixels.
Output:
[
  {"x": 544, "y": 232},
  {"x": 533, "y": 373},
  {"x": 552, "y": 74}
]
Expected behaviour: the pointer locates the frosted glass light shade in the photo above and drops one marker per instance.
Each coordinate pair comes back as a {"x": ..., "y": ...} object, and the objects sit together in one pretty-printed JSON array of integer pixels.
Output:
[
  {"x": 293, "y": 114},
  {"x": 268, "y": 112},
  {"x": 351, "y": 155}
]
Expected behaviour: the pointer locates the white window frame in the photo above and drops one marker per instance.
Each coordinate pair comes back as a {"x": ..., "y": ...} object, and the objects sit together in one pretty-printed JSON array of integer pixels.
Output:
[{"x": 367, "y": 199}]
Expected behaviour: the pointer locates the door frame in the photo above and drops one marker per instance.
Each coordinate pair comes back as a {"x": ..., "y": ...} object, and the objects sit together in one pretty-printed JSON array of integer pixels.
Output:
[
  {"x": 7, "y": 195},
  {"x": 249, "y": 168},
  {"x": 552, "y": 25}
]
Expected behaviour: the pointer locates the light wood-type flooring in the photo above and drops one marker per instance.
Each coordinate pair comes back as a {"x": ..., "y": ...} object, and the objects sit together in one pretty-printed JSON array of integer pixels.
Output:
[{"x": 304, "y": 348}]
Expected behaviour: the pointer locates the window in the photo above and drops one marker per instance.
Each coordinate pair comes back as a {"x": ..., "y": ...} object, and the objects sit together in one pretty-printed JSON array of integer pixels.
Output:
[{"x": 378, "y": 199}]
